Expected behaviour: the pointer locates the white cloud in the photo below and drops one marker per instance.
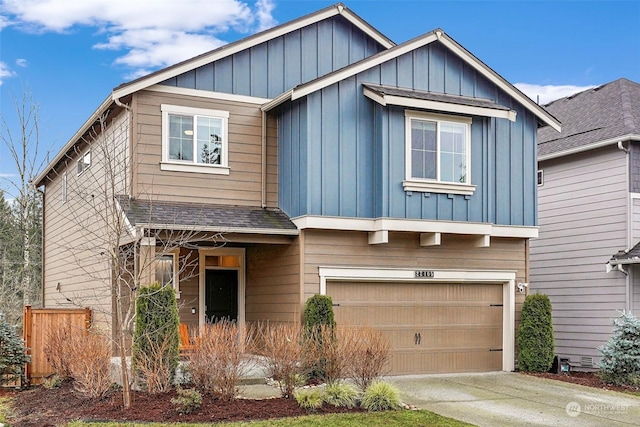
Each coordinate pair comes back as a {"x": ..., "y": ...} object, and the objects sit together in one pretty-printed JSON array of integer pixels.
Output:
[
  {"x": 21, "y": 62},
  {"x": 548, "y": 93},
  {"x": 154, "y": 33},
  {"x": 5, "y": 72}
]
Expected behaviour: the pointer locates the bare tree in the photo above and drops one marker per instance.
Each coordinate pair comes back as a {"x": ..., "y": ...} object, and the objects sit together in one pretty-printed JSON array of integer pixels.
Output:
[
  {"x": 21, "y": 252},
  {"x": 113, "y": 256}
]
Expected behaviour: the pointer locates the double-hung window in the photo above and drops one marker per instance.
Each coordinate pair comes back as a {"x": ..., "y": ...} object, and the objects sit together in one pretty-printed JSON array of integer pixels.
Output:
[
  {"x": 84, "y": 162},
  {"x": 194, "y": 140},
  {"x": 438, "y": 153}
]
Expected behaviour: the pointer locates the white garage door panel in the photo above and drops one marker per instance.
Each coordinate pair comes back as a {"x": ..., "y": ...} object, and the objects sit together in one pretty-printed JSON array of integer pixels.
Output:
[{"x": 459, "y": 325}]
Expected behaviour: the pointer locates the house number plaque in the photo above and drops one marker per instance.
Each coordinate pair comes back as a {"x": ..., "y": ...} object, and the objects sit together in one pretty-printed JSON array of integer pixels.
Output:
[{"x": 424, "y": 273}]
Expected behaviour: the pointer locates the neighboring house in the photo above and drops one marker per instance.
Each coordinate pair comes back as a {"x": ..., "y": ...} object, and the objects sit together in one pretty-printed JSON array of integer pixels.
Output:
[
  {"x": 589, "y": 212},
  {"x": 398, "y": 179}
]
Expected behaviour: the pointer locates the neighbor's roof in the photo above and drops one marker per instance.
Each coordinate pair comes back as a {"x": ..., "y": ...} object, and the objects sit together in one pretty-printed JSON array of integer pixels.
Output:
[
  {"x": 593, "y": 118},
  {"x": 206, "y": 217},
  {"x": 632, "y": 256}
]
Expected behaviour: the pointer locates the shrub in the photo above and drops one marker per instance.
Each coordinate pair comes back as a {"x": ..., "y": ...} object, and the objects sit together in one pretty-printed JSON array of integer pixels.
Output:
[
  {"x": 188, "y": 401},
  {"x": 89, "y": 354},
  {"x": 56, "y": 351},
  {"x": 156, "y": 337},
  {"x": 318, "y": 322},
  {"x": 620, "y": 362},
  {"x": 216, "y": 364},
  {"x": 310, "y": 399},
  {"x": 369, "y": 356},
  {"x": 339, "y": 394},
  {"x": 286, "y": 355},
  {"x": 335, "y": 349},
  {"x": 13, "y": 354},
  {"x": 535, "y": 335},
  {"x": 380, "y": 396},
  {"x": 52, "y": 382}
]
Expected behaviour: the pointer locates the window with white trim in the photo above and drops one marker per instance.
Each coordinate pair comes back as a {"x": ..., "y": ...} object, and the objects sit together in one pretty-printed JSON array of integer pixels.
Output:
[
  {"x": 166, "y": 271},
  {"x": 540, "y": 177},
  {"x": 85, "y": 162},
  {"x": 438, "y": 153},
  {"x": 194, "y": 139},
  {"x": 64, "y": 187}
]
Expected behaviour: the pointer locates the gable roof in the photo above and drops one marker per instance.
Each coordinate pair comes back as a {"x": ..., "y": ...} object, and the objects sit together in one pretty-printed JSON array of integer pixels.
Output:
[
  {"x": 251, "y": 41},
  {"x": 436, "y": 35},
  {"x": 227, "y": 50},
  {"x": 593, "y": 118}
]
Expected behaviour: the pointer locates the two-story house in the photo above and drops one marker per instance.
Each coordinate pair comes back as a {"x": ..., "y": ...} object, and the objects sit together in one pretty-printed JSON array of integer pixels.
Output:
[
  {"x": 314, "y": 157},
  {"x": 589, "y": 212}
]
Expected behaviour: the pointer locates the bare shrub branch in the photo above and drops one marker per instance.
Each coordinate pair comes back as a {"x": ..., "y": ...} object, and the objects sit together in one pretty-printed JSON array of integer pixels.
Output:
[
  {"x": 56, "y": 351},
  {"x": 90, "y": 363},
  {"x": 217, "y": 363},
  {"x": 369, "y": 356},
  {"x": 286, "y": 352}
]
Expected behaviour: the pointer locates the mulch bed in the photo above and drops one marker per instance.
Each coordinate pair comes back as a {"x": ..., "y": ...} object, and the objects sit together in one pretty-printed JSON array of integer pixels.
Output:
[
  {"x": 43, "y": 408},
  {"x": 589, "y": 379}
]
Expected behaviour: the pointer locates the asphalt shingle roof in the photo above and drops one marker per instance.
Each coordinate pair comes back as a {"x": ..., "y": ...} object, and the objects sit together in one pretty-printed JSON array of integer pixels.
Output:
[
  {"x": 433, "y": 96},
  {"x": 599, "y": 114},
  {"x": 209, "y": 217}
]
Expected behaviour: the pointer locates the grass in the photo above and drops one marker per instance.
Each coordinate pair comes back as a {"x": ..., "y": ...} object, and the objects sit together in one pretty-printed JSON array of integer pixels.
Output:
[
  {"x": 377, "y": 419},
  {"x": 4, "y": 409}
]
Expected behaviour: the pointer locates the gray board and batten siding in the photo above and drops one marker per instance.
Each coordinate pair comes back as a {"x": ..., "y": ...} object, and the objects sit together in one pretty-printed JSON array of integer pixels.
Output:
[
  {"x": 273, "y": 67},
  {"x": 582, "y": 206},
  {"x": 342, "y": 154}
]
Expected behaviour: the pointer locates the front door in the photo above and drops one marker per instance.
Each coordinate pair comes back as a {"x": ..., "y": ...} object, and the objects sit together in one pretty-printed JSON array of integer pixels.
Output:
[{"x": 221, "y": 295}]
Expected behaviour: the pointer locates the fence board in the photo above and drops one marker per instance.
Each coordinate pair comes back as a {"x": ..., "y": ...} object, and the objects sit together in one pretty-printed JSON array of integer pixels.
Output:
[{"x": 38, "y": 325}]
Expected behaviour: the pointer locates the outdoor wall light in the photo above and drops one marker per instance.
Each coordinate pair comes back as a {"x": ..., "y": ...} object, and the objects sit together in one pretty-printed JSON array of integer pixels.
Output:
[
  {"x": 521, "y": 286},
  {"x": 193, "y": 310}
]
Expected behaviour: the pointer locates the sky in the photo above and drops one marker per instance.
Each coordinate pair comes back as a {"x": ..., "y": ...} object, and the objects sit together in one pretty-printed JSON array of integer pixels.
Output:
[{"x": 69, "y": 54}]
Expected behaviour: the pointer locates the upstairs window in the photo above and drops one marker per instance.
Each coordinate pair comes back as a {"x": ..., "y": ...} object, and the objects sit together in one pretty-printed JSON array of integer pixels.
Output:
[
  {"x": 85, "y": 162},
  {"x": 194, "y": 139},
  {"x": 438, "y": 153}
]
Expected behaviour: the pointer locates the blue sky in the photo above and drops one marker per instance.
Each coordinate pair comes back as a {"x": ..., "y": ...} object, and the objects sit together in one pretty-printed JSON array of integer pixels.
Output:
[{"x": 70, "y": 53}]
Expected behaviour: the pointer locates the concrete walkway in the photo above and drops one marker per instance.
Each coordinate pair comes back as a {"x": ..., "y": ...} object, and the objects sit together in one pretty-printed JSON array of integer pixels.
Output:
[{"x": 512, "y": 399}]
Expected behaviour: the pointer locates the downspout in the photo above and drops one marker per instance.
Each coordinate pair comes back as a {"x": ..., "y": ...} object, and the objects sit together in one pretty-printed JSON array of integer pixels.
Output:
[
  {"x": 264, "y": 160},
  {"x": 129, "y": 143},
  {"x": 628, "y": 273}
]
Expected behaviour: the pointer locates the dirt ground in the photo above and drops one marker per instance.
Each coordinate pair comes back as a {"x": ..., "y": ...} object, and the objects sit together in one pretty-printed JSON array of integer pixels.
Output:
[
  {"x": 43, "y": 408},
  {"x": 589, "y": 379}
]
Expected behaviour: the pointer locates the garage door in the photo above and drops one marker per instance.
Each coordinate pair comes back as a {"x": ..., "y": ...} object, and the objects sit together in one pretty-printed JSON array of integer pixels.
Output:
[{"x": 432, "y": 327}]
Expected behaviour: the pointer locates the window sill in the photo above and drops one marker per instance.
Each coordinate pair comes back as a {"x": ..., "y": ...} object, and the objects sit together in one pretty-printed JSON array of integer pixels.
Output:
[
  {"x": 181, "y": 167},
  {"x": 438, "y": 187}
]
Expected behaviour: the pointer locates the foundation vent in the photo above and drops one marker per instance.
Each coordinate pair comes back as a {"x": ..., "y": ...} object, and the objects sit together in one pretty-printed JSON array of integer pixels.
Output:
[{"x": 586, "y": 361}]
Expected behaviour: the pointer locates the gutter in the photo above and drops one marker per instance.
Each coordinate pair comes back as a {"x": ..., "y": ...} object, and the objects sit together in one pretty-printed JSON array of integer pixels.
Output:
[{"x": 583, "y": 148}]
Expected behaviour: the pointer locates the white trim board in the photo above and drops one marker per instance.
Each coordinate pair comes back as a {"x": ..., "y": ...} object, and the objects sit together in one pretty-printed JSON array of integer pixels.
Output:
[
  {"x": 413, "y": 225},
  {"x": 504, "y": 277}
]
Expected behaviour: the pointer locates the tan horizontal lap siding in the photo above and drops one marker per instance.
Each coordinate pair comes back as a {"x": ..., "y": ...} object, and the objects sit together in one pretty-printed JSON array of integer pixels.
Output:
[
  {"x": 273, "y": 283},
  {"x": 76, "y": 269},
  {"x": 243, "y": 184}
]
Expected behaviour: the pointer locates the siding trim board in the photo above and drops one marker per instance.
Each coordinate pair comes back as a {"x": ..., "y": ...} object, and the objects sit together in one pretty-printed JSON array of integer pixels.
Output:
[
  {"x": 505, "y": 277},
  {"x": 419, "y": 226},
  {"x": 177, "y": 90}
]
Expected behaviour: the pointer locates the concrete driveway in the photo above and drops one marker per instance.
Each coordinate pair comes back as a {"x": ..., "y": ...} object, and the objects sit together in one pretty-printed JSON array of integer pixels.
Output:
[{"x": 511, "y": 399}]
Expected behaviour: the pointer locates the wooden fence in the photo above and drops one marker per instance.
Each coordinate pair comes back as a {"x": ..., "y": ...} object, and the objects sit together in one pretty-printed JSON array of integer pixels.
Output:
[{"x": 38, "y": 325}]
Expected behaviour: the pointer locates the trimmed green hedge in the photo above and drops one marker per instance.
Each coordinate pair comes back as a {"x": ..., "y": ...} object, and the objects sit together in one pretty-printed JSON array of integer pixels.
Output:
[
  {"x": 157, "y": 321},
  {"x": 535, "y": 335}
]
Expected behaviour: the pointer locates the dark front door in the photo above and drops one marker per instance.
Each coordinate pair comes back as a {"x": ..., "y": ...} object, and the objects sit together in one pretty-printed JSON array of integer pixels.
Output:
[{"x": 221, "y": 295}]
